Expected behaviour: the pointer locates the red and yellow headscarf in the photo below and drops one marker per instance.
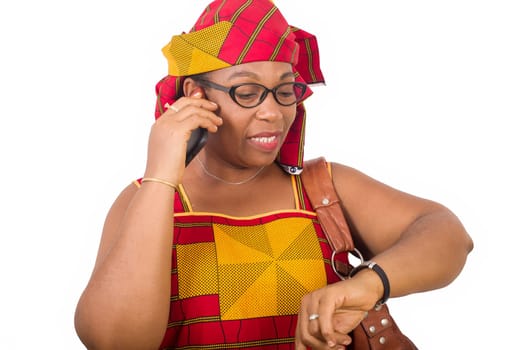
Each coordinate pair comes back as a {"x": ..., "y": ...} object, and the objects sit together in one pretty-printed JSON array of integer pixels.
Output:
[{"x": 232, "y": 32}]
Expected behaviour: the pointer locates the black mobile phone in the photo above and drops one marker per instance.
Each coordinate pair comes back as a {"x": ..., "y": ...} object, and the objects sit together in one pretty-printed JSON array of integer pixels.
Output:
[
  {"x": 197, "y": 140},
  {"x": 198, "y": 137}
]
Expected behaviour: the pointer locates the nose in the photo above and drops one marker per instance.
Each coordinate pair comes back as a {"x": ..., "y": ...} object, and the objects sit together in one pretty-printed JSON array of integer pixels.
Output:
[{"x": 269, "y": 109}]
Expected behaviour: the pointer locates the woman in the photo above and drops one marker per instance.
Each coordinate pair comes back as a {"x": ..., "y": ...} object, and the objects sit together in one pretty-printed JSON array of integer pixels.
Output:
[{"x": 227, "y": 252}]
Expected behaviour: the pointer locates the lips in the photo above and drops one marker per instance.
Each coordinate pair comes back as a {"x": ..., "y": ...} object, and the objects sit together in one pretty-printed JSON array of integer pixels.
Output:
[{"x": 266, "y": 141}]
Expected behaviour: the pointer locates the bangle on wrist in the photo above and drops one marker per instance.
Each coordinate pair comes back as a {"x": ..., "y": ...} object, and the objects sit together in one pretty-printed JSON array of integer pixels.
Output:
[
  {"x": 383, "y": 277},
  {"x": 160, "y": 181}
]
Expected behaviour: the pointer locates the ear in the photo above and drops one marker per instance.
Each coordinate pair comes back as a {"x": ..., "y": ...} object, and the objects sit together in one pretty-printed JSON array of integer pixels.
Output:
[{"x": 190, "y": 87}]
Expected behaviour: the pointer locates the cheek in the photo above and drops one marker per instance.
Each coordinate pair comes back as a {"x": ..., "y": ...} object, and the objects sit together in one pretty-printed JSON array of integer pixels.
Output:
[
  {"x": 289, "y": 118},
  {"x": 235, "y": 122}
]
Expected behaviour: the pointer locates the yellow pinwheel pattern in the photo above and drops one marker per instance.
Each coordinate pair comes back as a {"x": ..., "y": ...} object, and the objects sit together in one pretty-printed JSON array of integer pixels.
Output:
[{"x": 265, "y": 270}]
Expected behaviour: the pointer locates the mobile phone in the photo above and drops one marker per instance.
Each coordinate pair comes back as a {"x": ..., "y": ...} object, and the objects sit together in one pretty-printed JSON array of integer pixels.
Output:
[
  {"x": 197, "y": 140},
  {"x": 198, "y": 137}
]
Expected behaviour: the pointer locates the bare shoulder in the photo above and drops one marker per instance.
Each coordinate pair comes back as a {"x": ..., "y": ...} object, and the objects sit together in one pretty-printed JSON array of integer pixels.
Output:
[
  {"x": 122, "y": 201},
  {"x": 126, "y": 195},
  {"x": 352, "y": 183},
  {"x": 377, "y": 212}
]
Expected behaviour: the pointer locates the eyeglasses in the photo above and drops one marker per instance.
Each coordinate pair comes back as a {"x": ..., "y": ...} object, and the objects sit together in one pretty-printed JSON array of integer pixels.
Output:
[{"x": 250, "y": 95}]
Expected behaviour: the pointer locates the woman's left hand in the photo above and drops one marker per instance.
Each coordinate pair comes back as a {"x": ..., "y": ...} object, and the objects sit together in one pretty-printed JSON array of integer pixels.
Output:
[{"x": 328, "y": 314}]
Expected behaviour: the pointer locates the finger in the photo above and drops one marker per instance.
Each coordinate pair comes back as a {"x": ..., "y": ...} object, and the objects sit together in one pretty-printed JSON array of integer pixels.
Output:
[
  {"x": 201, "y": 103},
  {"x": 197, "y": 93},
  {"x": 303, "y": 343},
  {"x": 313, "y": 336},
  {"x": 210, "y": 124},
  {"x": 313, "y": 326},
  {"x": 190, "y": 118},
  {"x": 182, "y": 105},
  {"x": 171, "y": 107},
  {"x": 344, "y": 321},
  {"x": 196, "y": 99},
  {"x": 308, "y": 333},
  {"x": 203, "y": 119},
  {"x": 338, "y": 340},
  {"x": 326, "y": 313},
  {"x": 304, "y": 339}
]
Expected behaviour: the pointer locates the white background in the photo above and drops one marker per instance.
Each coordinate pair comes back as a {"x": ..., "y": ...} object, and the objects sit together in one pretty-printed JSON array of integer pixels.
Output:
[{"x": 425, "y": 96}]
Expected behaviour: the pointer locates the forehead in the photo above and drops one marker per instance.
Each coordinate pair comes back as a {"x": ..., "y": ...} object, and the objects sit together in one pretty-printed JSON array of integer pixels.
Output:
[{"x": 264, "y": 70}]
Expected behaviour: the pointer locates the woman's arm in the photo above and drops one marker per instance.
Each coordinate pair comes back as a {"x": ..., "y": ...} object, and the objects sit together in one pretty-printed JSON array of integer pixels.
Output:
[
  {"x": 420, "y": 244},
  {"x": 126, "y": 302}
]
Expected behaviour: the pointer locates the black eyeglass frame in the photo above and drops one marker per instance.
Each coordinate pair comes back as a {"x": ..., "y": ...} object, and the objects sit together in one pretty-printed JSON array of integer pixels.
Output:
[{"x": 231, "y": 91}]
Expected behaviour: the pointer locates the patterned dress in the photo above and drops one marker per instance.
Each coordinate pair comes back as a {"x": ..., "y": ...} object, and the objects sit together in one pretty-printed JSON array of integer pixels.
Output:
[{"x": 237, "y": 282}]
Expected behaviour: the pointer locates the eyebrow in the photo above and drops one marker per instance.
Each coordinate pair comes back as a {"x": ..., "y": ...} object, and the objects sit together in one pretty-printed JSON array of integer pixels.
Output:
[{"x": 254, "y": 75}]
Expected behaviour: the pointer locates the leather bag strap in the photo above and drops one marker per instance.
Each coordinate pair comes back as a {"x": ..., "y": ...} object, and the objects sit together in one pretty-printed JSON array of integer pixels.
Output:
[
  {"x": 321, "y": 192},
  {"x": 378, "y": 331}
]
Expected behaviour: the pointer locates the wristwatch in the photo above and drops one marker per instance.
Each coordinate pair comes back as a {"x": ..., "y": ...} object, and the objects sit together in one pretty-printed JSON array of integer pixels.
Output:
[{"x": 370, "y": 264}]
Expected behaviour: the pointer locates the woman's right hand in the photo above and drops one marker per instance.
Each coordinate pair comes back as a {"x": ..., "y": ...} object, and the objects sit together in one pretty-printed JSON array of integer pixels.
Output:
[{"x": 170, "y": 133}]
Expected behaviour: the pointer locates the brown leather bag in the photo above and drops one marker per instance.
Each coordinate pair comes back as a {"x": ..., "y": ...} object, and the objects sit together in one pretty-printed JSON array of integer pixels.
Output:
[{"x": 378, "y": 331}]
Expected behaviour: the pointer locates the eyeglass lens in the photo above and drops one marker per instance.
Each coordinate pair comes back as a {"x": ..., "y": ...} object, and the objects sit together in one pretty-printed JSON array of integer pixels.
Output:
[{"x": 250, "y": 95}]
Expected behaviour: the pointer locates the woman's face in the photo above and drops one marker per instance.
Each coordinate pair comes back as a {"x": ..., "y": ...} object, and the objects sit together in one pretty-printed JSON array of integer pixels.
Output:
[{"x": 250, "y": 136}]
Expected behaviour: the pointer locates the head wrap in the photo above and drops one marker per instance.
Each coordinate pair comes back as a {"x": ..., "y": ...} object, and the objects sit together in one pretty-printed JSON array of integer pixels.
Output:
[{"x": 232, "y": 32}]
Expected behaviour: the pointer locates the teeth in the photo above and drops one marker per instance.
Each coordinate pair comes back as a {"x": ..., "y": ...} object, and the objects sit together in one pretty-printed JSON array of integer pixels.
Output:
[{"x": 264, "y": 139}]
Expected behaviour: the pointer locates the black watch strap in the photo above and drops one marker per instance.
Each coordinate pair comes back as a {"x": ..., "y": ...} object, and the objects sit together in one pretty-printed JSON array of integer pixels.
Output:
[{"x": 378, "y": 270}]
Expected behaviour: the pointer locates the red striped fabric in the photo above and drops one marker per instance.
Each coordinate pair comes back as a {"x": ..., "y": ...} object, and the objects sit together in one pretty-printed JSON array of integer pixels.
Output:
[{"x": 258, "y": 32}]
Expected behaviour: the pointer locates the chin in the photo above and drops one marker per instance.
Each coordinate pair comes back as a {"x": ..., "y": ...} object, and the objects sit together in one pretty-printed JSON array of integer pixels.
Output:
[{"x": 261, "y": 160}]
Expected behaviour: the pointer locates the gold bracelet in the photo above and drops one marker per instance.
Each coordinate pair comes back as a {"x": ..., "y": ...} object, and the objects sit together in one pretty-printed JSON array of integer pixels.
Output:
[{"x": 160, "y": 181}]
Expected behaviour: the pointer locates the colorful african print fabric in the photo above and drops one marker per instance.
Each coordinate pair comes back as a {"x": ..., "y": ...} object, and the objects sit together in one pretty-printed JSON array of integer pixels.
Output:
[
  {"x": 232, "y": 32},
  {"x": 237, "y": 282}
]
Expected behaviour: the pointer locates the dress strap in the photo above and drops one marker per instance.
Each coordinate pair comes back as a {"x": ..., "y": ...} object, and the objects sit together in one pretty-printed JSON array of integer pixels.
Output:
[
  {"x": 301, "y": 200},
  {"x": 182, "y": 203}
]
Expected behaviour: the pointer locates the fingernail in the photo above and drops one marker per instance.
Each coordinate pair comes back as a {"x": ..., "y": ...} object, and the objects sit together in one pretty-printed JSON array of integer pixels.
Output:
[
  {"x": 197, "y": 94},
  {"x": 331, "y": 343}
]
